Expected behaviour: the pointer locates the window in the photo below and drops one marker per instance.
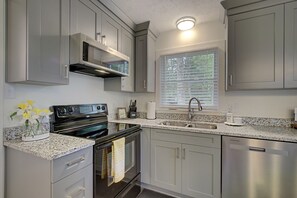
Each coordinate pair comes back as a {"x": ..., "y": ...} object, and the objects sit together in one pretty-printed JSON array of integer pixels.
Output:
[{"x": 187, "y": 75}]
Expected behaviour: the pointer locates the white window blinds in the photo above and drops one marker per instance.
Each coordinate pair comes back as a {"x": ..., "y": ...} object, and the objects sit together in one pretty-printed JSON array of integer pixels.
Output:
[{"x": 187, "y": 75}]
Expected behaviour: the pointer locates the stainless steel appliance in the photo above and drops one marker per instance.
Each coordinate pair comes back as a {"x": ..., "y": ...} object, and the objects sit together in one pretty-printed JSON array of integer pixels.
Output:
[
  {"x": 90, "y": 121},
  {"x": 90, "y": 57},
  {"x": 258, "y": 168}
]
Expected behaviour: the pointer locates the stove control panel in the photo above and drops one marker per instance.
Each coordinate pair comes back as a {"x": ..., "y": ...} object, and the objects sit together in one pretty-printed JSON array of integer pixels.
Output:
[{"x": 79, "y": 110}]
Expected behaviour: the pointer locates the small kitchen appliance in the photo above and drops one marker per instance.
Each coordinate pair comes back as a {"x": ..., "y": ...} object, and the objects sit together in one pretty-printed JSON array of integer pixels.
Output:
[
  {"x": 89, "y": 57},
  {"x": 90, "y": 121},
  {"x": 132, "y": 109}
]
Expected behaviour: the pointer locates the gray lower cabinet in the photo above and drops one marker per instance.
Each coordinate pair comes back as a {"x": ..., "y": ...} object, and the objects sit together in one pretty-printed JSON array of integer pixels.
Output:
[
  {"x": 145, "y": 137},
  {"x": 145, "y": 63},
  {"x": 125, "y": 84},
  {"x": 166, "y": 166},
  {"x": 75, "y": 186},
  {"x": 201, "y": 171},
  {"x": 38, "y": 41},
  {"x": 186, "y": 163},
  {"x": 291, "y": 45},
  {"x": 30, "y": 176},
  {"x": 255, "y": 49}
]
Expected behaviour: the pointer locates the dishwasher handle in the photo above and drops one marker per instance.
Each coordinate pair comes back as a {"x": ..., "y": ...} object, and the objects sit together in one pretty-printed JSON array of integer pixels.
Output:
[{"x": 257, "y": 149}]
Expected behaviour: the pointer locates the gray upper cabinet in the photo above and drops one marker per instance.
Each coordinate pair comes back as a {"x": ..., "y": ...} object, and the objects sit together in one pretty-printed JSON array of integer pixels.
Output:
[
  {"x": 38, "y": 41},
  {"x": 111, "y": 32},
  {"x": 89, "y": 19},
  {"x": 84, "y": 18},
  {"x": 255, "y": 49},
  {"x": 125, "y": 84},
  {"x": 145, "y": 59},
  {"x": 291, "y": 45}
]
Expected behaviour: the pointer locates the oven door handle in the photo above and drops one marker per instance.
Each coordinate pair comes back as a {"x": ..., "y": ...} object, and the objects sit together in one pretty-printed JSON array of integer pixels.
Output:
[{"x": 110, "y": 141}]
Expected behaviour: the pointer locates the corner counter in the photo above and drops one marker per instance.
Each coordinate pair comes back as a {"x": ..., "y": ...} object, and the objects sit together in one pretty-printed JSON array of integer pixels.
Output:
[
  {"x": 54, "y": 147},
  {"x": 59, "y": 166}
]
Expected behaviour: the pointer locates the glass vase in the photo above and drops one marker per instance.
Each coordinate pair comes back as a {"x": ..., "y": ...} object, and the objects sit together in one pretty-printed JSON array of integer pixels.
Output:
[{"x": 35, "y": 131}]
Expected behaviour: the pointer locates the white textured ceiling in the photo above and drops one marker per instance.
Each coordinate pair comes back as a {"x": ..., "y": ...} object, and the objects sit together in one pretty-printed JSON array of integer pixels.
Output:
[{"x": 164, "y": 13}]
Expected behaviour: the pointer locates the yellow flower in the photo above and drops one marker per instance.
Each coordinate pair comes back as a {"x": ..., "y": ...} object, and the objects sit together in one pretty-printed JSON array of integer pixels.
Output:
[
  {"x": 22, "y": 106},
  {"x": 37, "y": 111},
  {"x": 30, "y": 102},
  {"x": 26, "y": 115}
]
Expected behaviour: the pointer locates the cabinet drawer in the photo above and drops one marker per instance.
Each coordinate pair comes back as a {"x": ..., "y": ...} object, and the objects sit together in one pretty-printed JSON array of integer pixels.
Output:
[
  {"x": 187, "y": 138},
  {"x": 69, "y": 164},
  {"x": 79, "y": 184}
]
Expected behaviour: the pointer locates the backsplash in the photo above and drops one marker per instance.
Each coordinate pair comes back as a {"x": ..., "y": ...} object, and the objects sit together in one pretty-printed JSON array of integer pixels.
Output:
[{"x": 11, "y": 133}]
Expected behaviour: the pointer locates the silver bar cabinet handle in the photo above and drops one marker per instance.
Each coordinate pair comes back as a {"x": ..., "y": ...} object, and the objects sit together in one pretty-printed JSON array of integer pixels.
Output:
[
  {"x": 77, "y": 161},
  {"x": 184, "y": 154},
  {"x": 230, "y": 79},
  {"x": 177, "y": 153}
]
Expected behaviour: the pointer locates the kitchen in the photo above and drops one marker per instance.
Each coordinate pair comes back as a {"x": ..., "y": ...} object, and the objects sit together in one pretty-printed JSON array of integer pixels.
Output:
[{"x": 271, "y": 106}]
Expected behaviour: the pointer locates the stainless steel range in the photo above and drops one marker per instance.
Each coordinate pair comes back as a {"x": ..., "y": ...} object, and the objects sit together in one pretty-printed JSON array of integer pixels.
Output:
[{"x": 90, "y": 121}]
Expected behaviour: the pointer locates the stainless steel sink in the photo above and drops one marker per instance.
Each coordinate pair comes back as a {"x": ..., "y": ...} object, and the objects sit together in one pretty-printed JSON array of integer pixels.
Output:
[{"x": 189, "y": 124}]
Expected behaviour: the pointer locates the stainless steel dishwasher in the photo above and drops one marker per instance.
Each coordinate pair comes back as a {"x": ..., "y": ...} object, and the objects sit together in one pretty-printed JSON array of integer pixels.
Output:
[{"x": 258, "y": 168}]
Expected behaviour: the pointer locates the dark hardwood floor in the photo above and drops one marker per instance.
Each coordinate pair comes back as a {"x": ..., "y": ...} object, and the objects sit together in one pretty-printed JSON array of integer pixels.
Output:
[{"x": 151, "y": 194}]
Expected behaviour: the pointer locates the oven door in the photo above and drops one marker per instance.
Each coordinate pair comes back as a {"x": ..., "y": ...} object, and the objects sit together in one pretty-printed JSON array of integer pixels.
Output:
[{"x": 104, "y": 187}]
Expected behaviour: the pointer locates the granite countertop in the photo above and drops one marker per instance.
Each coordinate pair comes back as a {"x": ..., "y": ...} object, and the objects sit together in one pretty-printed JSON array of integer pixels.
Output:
[
  {"x": 258, "y": 132},
  {"x": 54, "y": 147}
]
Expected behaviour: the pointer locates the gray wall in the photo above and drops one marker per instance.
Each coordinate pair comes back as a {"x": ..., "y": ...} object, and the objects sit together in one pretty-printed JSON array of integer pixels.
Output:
[{"x": 262, "y": 103}]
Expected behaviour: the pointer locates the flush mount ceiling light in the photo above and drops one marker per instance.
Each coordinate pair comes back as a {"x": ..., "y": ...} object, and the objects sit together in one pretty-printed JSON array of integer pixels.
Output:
[{"x": 185, "y": 23}]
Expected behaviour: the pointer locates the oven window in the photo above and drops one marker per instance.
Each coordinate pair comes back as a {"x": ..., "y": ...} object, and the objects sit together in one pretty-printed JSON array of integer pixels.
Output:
[
  {"x": 104, "y": 185},
  {"x": 129, "y": 156}
]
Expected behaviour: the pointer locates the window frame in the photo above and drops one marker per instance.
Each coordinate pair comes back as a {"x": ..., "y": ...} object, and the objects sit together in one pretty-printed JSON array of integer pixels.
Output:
[{"x": 180, "y": 50}]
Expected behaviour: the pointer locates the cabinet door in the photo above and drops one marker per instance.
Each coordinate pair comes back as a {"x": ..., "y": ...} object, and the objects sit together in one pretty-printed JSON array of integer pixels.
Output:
[
  {"x": 128, "y": 49},
  {"x": 201, "y": 175},
  {"x": 111, "y": 32},
  {"x": 77, "y": 185},
  {"x": 291, "y": 45},
  {"x": 166, "y": 165},
  {"x": 145, "y": 136},
  {"x": 255, "y": 49},
  {"x": 83, "y": 18},
  {"x": 141, "y": 64},
  {"x": 151, "y": 66},
  {"x": 48, "y": 41}
]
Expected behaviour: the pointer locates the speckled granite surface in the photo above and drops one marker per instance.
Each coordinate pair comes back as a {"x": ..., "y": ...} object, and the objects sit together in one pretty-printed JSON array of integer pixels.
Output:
[
  {"x": 258, "y": 132},
  {"x": 279, "y": 122},
  {"x": 12, "y": 133},
  {"x": 54, "y": 147}
]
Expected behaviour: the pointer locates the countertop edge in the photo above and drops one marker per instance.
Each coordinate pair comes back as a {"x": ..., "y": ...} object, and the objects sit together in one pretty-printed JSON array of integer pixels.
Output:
[
  {"x": 255, "y": 132},
  {"x": 16, "y": 144}
]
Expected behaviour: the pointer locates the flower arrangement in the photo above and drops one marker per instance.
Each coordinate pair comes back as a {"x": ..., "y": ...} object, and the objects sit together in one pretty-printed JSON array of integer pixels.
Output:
[{"x": 34, "y": 120}]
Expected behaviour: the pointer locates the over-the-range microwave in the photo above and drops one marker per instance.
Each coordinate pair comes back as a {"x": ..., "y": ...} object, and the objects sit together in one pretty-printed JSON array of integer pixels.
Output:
[{"x": 90, "y": 57}]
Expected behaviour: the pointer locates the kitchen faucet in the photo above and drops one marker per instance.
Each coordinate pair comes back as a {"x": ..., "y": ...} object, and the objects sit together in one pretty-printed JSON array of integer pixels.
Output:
[{"x": 191, "y": 110}]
